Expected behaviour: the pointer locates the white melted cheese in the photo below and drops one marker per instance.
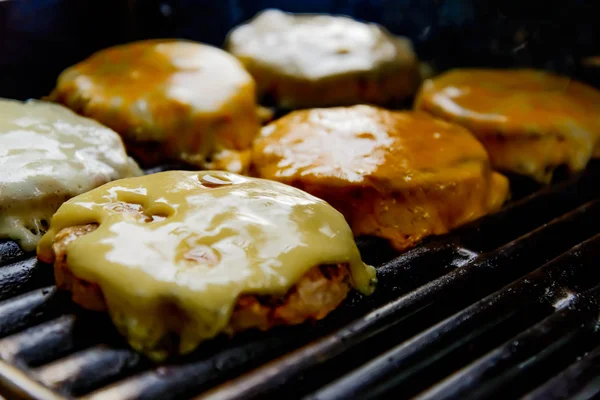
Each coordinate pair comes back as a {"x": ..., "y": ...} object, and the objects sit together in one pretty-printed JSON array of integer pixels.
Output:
[
  {"x": 317, "y": 47},
  {"x": 49, "y": 154}
]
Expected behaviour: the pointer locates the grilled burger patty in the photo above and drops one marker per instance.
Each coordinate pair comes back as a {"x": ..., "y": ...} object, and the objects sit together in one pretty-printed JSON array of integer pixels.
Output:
[
  {"x": 323, "y": 60},
  {"x": 179, "y": 257},
  {"x": 171, "y": 100},
  {"x": 401, "y": 176},
  {"x": 316, "y": 294},
  {"x": 49, "y": 154},
  {"x": 529, "y": 121}
]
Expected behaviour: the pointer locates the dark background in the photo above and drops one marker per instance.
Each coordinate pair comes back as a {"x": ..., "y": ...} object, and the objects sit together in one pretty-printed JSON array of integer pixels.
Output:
[{"x": 39, "y": 38}]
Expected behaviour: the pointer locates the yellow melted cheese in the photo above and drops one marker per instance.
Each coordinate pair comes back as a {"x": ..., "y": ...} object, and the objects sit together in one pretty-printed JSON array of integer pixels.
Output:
[
  {"x": 49, "y": 154},
  {"x": 214, "y": 236}
]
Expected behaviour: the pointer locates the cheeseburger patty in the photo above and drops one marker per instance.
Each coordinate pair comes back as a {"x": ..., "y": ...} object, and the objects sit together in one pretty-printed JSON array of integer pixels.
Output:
[
  {"x": 529, "y": 121},
  {"x": 314, "y": 296},
  {"x": 177, "y": 257},
  {"x": 170, "y": 100},
  {"x": 401, "y": 176},
  {"x": 303, "y": 60}
]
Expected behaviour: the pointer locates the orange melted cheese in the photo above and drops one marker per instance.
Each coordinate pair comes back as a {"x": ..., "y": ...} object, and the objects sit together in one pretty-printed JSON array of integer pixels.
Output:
[
  {"x": 398, "y": 175},
  {"x": 529, "y": 121},
  {"x": 196, "y": 101}
]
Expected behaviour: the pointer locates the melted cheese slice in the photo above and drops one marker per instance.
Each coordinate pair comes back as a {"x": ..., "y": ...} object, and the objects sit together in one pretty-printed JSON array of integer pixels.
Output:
[
  {"x": 48, "y": 154},
  {"x": 212, "y": 237},
  {"x": 317, "y": 46},
  {"x": 528, "y": 120},
  {"x": 304, "y": 59},
  {"x": 195, "y": 99}
]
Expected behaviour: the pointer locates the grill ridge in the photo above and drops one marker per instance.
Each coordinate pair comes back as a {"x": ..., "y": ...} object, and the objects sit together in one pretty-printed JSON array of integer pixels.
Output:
[
  {"x": 414, "y": 352},
  {"x": 500, "y": 308},
  {"x": 580, "y": 380}
]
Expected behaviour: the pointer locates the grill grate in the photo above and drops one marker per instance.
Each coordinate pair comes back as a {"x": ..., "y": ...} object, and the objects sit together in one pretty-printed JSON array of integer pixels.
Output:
[{"x": 507, "y": 306}]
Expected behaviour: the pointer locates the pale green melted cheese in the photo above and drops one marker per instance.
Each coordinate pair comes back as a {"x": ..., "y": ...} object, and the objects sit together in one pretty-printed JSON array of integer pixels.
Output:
[{"x": 201, "y": 240}]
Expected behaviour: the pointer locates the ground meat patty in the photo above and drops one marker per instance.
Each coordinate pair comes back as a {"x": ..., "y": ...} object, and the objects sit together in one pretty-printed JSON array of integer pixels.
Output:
[
  {"x": 531, "y": 122},
  {"x": 303, "y": 60},
  {"x": 172, "y": 101},
  {"x": 398, "y": 175},
  {"x": 314, "y": 296}
]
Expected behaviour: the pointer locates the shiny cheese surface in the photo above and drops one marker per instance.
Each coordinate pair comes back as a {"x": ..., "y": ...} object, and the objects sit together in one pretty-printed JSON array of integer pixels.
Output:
[
  {"x": 302, "y": 58},
  {"x": 547, "y": 119},
  {"x": 317, "y": 46},
  {"x": 366, "y": 146},
  {"x": 49, "y": 154},
  {"x": 196, "y": 99},
  {"x": 397, "y": 175},
  {"x": 201, "y": 239}
]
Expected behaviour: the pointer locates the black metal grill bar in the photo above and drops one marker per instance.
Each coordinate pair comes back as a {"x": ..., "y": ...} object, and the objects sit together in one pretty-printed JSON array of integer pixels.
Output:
[
  {"x": 514, "y": 259},
  {"x": 89, "y": 368},
  {"x": 172, "y": 380},
  {"x": 581, "y": 380},
  {"x": 528, "y": 213},
  {"x": 28, "y": 309},
  {"x": 528, "y": 349},
  {"x": 40, "y": 343},
  {"x": 492, "y": 270},
  {"x": 533, "y": 371},
  {"x": 17, "y": 384},
  {"x": 23, "y": 276},
  {"x": 9, "y": 251},
  {"x": 400, "y": 364}
]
